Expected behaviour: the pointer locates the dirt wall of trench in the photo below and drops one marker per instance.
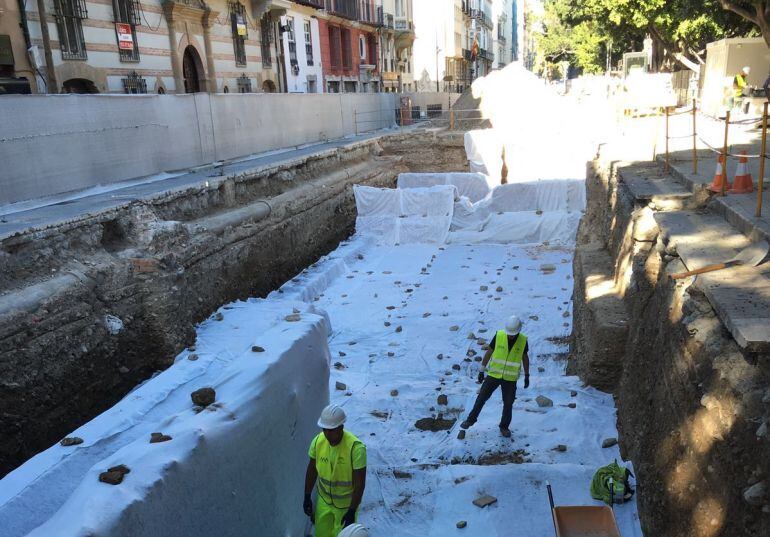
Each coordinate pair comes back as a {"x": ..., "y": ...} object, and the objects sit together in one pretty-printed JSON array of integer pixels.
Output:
[
  {"x": 690, "y": 404},
  {"x": 94, "y": 307}
]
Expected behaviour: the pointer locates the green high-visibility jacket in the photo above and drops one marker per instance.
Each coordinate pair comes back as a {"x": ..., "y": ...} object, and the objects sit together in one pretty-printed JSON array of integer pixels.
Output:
[
  {"x": 335, "y": 477},
  {"x": 506, "y": 364},
  {"x": 738, "y": 86}
]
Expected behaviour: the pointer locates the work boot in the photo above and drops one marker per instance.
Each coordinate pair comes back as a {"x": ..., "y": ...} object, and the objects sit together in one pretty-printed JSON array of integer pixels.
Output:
[
  {"x": 505, "y": 431},
  {"x": 467, "y": 424}
]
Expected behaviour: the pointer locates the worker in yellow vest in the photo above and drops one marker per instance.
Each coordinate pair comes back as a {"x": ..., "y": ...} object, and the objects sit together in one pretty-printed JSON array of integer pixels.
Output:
[
  {"x": 338, "y": 466},
  {"x": 740, "y": 82},
  {"x": 508, "y": 351}
]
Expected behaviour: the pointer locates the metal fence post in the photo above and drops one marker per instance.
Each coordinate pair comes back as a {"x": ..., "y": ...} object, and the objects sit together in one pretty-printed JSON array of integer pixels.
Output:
[
  {"x": 761, "y": 180},
  {"x": 694, "y": 137},
  {"x": 667, "y": 118},
  {"x": 724, "y": 153}
]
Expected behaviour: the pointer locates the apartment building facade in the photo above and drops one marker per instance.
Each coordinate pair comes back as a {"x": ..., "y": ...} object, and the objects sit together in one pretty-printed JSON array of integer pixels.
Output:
[
  {"x": 216, "y": 46},
  {"x": 397, "y": 40},
  {"x": 503, "y": 42}
]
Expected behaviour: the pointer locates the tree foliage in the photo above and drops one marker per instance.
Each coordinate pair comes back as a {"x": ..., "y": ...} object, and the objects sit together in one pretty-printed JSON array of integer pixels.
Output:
[{"x": 583, "y": 30}]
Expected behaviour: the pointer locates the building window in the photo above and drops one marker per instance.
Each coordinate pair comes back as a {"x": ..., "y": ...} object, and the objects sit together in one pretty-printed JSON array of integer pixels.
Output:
[
  {"x": 372, "y": 42},
  {"x": 291, "y": 38},
  {"x": 362, "y": 47},
  {"x": 347, "y": 50},
  {"x": 128, "y": 13},
  {"x": 265, "y": 27},
  {"x": 240, "y": 32},
  {"x": 308, "y": 43},
  {"x": 244, "y": 84},
  {"x": 334, "y": 47},
  {"x": 134, "y": 83},
  {"x": 333, "y": 86},
  {"x": 69, "y": 20}
]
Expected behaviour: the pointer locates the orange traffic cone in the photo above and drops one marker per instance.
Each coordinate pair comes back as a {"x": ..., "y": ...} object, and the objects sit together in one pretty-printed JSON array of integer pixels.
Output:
[
  {"x": 742, "y": 183},
  {"x": 720, "y": 176}
]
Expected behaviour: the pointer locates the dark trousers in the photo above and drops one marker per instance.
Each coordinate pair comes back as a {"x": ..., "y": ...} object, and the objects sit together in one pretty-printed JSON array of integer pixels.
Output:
[{"x": 488, "y": 387}]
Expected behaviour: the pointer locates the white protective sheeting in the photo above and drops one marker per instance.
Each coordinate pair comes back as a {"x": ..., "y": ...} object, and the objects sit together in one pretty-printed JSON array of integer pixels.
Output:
[
  {"x": 233, "y": 469},
  {"x": 522, "y": 228},
  {"x": 405, "y": 216},
  {"x": 474, "y": 186},
  {"x": 551, "y": 195},
  {"x": 484, "y": 149}
]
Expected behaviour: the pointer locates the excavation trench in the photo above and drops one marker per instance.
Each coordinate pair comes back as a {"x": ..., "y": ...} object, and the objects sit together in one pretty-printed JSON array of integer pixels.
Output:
[
  {"x": 690, "y": 402},
  {"x": 92, "y": 307}
]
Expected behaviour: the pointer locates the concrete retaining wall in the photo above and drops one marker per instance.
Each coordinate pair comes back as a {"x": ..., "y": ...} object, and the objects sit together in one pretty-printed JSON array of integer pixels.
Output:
[{"x": 50, "y": 144}]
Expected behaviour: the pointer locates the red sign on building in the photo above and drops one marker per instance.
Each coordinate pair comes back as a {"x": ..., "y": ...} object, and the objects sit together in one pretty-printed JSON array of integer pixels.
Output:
[{"x": 125, "y": 36}]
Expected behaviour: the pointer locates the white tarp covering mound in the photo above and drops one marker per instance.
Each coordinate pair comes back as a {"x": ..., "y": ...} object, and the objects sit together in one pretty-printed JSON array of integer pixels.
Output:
[
  {"x": 405, "y": 216},
  {"x": 233, "y": 469},
  {"x": 553, "y": 195},
  {"x": 522, "y": 228},
  {"x": 484, "y": 149},
  {"x": 474, "y": 186},
  {"x": 529, "y": 212}
]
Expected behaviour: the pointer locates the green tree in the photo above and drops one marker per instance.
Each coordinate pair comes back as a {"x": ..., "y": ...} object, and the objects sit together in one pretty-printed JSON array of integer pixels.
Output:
[
  {"x": 680, "y": 29},
  {"x": 755, "y": 11}
]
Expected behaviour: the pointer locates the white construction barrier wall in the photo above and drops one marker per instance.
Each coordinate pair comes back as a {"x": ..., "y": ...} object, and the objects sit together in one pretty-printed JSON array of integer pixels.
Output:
[
  {"x": 51, "y": 144},
  {"x": 232, "y": 469}
]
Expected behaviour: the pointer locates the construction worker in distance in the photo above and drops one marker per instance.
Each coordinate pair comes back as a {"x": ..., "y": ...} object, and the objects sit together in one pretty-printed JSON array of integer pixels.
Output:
[
  {"x": 508, "y": 351},
  {"x": 338, "y": 466},
  {"x": 356, "y": 530},
  {"x": 740, "y": 83}
]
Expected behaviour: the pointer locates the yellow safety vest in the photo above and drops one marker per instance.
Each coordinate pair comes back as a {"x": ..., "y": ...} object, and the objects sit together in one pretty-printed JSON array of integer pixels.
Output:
[
  {"x": 740, "y": 83},
  {"x": 335, "y": 477},
  {"x": 504, "y": 364}
]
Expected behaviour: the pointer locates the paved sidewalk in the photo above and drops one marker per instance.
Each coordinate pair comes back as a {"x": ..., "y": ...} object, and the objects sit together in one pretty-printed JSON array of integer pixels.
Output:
[{"x": 60, "y": 211}]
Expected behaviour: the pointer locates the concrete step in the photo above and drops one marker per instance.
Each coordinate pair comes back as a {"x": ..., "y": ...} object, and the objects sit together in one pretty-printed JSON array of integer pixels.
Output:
[
  {"x": 739, "y": 295},
  {"x": 738, "y": 209},
  {"x": 648, "y": 184}
]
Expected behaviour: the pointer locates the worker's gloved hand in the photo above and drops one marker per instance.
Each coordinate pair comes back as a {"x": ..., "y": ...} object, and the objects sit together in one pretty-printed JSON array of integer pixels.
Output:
[
  {"x": 349, "y": 518},
  {"x": 526, "y": 381},
  {"x": 481, "y": 376},
  {"x": 307, "y": 506}
]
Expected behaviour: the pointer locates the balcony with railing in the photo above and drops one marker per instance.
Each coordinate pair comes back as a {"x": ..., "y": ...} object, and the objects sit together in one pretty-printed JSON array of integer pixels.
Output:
[
  {"x": 387, "y": 21},
  {"x": 320, "y": 4},
  {"x": 343, "y": 8},
  {"x": 483, "y": 17},
  {"x": 403, "y": 24},
  {"x": 370, "y": 13}
]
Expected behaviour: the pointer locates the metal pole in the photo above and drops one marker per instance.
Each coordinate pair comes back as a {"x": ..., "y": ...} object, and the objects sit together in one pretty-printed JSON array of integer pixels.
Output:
[
  {"x": 761, "y": 180},
  {"x": 51, "y": 85},
  {"x": 451, "y": 120},
  {"x": 667, "y": 118},
  {"x": 694, "y": 137},
  {"x": 724, "y": 153}
]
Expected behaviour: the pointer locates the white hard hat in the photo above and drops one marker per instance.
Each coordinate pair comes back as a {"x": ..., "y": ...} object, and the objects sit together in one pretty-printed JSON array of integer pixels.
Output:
[
  {"x": 354, "y": 530},
  {"x": 512, "y": 326},
  {"x": 331, "y": 417},
  {"x": 747, "y": 69}
]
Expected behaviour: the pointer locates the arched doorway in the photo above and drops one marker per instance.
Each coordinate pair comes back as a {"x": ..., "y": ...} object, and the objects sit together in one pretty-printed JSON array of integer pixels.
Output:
[
  {"x": 191, "y": 70},
  {"x": 79, "y": 85},
  {"x": 268, "y": 86}
]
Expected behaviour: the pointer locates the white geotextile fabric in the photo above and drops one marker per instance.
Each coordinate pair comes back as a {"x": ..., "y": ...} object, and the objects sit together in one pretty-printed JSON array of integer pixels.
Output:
[
  {"x": 484, "y": 149},
  {"x": 239, "y": 453},
  {"x": 550, "y": 195},
  {"x": 522, "y": 228},
  {"x": 474, "y": 186},
  {"x": 405, "y": 216}
]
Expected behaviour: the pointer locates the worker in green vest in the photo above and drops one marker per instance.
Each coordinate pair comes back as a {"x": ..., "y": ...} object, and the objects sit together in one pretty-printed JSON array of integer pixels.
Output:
[
  {"x": 740, "y": 82},
  {"x": 338, "y": 466},
  {"x": 508, "y": 351}
]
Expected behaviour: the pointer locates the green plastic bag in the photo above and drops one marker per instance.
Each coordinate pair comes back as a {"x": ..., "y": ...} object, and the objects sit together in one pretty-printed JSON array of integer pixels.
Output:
[{"x": 615, "y": 477}]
